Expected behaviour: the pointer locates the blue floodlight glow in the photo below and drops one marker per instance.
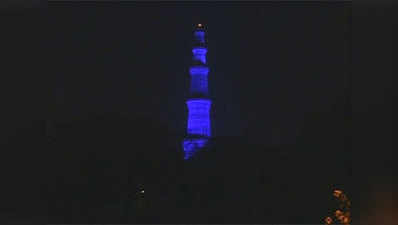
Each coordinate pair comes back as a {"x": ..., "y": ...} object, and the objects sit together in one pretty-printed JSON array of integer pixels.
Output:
[
  {"x": 199, "y": 84},
  {"x": 199, "y": 54},
  {"x": 199, "y": 117},
  {"x": 199, "y": 70},
  {"x": 200, "y": 36},
  {"x": 191, "y": 146},
  {"x": 198, "y": 129}
]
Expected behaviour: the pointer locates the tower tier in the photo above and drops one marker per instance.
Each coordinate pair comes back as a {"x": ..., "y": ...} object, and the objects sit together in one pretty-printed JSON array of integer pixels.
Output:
[{"x": 199, "y": 117}]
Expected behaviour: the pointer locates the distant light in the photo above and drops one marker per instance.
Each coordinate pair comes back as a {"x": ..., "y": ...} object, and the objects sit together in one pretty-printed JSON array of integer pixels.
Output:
[
  {"x": 199, "y": 25},
  {"x": 142, "y": 191},
  {"x": 328, "y": 220},
  {"x": 337, "y": 193},
  {"x": 346, "y": 220}
]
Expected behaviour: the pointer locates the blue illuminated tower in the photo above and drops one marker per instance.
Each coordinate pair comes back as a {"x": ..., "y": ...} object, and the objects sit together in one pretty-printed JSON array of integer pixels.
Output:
[{"x": 198, "y": 129}]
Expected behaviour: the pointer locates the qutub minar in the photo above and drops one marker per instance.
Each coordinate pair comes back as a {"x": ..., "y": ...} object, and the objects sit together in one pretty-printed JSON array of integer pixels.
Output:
[{"x": 198, "y": 103}]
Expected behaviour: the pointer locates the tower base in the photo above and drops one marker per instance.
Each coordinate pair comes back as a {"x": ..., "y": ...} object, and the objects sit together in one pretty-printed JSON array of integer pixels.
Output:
[{"x": 193, "y": 145}]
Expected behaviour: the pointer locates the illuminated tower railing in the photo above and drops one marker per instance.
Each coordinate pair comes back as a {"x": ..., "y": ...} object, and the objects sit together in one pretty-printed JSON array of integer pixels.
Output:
[{"x": 198, "y": 128}]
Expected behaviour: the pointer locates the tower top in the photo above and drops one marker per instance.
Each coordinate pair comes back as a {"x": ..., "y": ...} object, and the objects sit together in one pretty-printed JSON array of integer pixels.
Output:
[
  {"x": 199, "y": 26},
  {"x": 199, "y": 35}
]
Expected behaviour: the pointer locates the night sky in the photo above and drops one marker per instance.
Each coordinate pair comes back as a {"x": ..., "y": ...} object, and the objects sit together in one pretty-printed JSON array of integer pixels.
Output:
[
  {"x": 273, "y": 66},
  {"x": 280, "y": 74}
]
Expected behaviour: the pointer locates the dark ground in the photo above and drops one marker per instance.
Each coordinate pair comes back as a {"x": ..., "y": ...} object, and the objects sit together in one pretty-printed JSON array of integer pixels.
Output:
[{"x": 93, "y": 169}]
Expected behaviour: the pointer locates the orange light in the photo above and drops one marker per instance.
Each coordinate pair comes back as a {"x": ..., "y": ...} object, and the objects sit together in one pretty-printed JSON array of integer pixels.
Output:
[
  {"x": 338, "y": 213},
  {"x": 337, "y": 193},
  {"x": 199, "y": 25},
  {"x": 328, "y": 220},
  {"x": 341, "y": 217}
]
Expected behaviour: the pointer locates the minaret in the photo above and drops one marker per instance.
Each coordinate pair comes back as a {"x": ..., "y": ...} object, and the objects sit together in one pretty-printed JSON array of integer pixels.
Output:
[{"x": 198, "y": 129}]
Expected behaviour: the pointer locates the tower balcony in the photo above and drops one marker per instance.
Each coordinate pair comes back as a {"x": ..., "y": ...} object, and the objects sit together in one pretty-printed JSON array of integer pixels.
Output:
[
  {"x": 199, "y": 55},
  {"x": 199, "y": 70}
]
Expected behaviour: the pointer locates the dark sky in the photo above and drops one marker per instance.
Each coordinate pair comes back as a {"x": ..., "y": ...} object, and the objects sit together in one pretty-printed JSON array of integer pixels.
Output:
[{"x": 272, "y": 65}]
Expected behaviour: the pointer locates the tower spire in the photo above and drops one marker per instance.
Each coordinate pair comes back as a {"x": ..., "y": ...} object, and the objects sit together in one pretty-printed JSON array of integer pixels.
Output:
[{"x": 199, "y": 103}]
